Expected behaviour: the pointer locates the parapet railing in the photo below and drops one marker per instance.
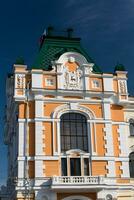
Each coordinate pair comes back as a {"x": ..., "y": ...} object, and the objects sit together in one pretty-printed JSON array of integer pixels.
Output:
[{"x": 75, "y": 180}]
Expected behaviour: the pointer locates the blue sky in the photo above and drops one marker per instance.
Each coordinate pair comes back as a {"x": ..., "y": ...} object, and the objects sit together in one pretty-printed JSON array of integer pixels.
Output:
[{"x": 105, "y": 26}]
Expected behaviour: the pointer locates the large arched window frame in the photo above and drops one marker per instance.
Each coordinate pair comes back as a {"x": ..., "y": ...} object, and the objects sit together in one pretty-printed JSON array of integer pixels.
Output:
[
  {"x": 75, "y": 156},
  {"x": 74, "y": 132},
  {"x": 75, "y": 108}
]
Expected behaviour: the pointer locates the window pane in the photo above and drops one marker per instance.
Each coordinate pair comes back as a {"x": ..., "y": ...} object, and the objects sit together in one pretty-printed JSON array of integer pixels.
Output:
[
  {"x": 64, "y": 166},
  {"x": 73, "y": 128},
  {"x": 67, "y": 142},
  {"x": 73, "y": 143},
  {"x": 75, "y": 167},
  {"x": 73, "y": 132},
  {"x": 85, "y": 143}
]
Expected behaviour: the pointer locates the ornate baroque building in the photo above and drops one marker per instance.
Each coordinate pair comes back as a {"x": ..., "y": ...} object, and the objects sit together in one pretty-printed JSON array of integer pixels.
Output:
[{"x": 69, "y": 127}]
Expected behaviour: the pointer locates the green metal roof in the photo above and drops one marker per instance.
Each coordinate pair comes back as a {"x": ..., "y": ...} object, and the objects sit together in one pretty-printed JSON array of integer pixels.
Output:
[{"x": 53, "y": 47}]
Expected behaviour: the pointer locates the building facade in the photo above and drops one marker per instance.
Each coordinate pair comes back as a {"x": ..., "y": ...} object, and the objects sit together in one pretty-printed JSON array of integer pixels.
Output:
[{"x": 69, "y": 127}]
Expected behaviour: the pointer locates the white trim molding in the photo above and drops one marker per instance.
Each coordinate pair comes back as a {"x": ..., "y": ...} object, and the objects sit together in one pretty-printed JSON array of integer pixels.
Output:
[
  {"x": 109, "y": 139},
  {"x": 72, "y": 107},
  {"x": 122, "y": 131}
]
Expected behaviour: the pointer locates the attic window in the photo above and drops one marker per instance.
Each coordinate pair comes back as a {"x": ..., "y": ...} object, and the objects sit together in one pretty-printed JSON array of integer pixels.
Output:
[
  {"x": 96, "y": 84},
  {"x": 49, "y": 82}
]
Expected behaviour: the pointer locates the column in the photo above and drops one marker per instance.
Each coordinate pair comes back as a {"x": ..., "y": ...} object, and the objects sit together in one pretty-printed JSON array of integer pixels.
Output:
[{"x": 21, "y": 146}]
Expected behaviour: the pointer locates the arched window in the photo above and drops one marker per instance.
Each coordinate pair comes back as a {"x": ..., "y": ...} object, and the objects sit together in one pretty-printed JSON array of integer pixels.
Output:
[
  {"x": 131, "y": 127},
  {"x": 131, "y": 164},
  {"x": 74, "y": 135}
]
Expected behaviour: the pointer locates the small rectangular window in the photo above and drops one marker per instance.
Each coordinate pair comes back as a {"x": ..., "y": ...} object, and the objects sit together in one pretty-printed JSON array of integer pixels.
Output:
[
  {"x": 64, "y": 166},
  {"x": 49, "y": 82},
  {"x": 96, "y": 84}
]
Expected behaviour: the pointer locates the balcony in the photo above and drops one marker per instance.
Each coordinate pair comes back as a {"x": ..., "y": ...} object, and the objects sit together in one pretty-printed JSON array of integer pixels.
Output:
[
  {"x": 75, "y": 180},
  {"x": 89, "y": 182}
]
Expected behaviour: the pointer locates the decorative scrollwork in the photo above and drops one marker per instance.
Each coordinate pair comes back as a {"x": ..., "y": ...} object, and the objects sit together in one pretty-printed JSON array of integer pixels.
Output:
[
  {"x": 122, "y": 86},
  {"x": 20, "y": 81}
]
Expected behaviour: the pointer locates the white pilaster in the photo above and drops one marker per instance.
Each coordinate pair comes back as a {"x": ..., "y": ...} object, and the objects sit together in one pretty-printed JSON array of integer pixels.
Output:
[
  {"x": 37, "y": 80},
  {"x": 109, "y": 139},
  {"x": 38, "y": 138},
  {"x": 125, "y": 169},
  {"x": 39, "y": 109},
  {"x": 38, "y": 172},
  {"x": 21, "y": 168},
  {"x": 123, "y": 139},
  {"x": 108, "y": 84},
  {"x": 111, "y": 169},
  {"x": 106, "y": 110},
  {"x": 21, "y": 145}
]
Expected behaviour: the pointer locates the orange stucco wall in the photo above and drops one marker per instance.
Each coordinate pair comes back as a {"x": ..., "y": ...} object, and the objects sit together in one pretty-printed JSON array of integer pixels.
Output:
[
  {"x": 96, "y": 108},
  {"x": 31, "y": 105},
  {"x": 99, "y": 168},
  {"x": 115, "y": 140},
  {"x": 61, "y": 196},
  {"x": 49, "y": 108},
  {"x": 51, "y": 168},
  {"x": 72, "y": 66},
  {"x": 100, "y": 139},
  {"x": 123, "y": 180},
  {"x": 47, "y": 150},
  {"x": 117, "y": 113},
  {"x": 49, "y": 96},
  {"x": 24, "y": 110},
  {"x": 115, "y": 86},
  {"x": 31, "y": 170},
  {"x": 117, "y": 169},
  {"x": 20, "y": 92},
  {"x": 31, "y": 139}
]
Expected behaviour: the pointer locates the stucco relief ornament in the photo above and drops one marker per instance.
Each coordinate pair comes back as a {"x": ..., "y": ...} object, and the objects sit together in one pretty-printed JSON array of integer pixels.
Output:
[
  {"x": 20, "y": 81},
  {"x": 122, "y": 87},
  {"x": 72, "y": 80},
  {"x": 88, "y": 68}
]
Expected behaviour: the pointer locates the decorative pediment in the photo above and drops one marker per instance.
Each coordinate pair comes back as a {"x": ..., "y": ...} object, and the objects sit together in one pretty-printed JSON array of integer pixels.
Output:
[
  {"x": 72, "y": 79},
  {"x": 76, "y": 152},
  {"x": 72, "y": 68}
]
